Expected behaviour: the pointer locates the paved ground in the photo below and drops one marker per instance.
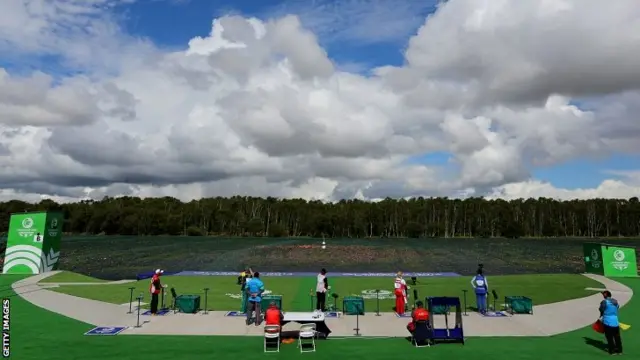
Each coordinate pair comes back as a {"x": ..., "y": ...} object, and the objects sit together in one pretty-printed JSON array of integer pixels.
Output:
[{"x": 547, "y": 320}]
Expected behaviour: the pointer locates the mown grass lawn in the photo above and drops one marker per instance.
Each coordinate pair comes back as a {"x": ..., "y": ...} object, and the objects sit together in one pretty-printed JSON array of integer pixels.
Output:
[
  {"x": 224, "y": 292},
  {"x": 39, "y": 334},
  {"x": 71, "y": 277}
]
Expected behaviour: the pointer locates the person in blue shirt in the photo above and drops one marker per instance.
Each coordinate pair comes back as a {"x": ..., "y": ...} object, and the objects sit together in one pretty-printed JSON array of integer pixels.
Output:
[
  {"x": 609, "y": 316},
  {"x": 481, "y": 288},
  {"x": 254, "y": 288}
]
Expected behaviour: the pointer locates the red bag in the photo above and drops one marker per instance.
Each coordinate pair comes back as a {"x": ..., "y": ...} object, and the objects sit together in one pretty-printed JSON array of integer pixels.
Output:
[
  {"x": 598, "y": 327},
  {"x": 411, "y": 326}
]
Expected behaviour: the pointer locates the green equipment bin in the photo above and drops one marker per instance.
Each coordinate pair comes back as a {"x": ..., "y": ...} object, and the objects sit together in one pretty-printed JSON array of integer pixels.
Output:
[
  {"x": 438, "y": 309},
  {"x": 267, "y": 299},
  {"x": 518, "y": 305},
  {"x": 353, "y": 305},
  {"x": 188, "y": 304}
]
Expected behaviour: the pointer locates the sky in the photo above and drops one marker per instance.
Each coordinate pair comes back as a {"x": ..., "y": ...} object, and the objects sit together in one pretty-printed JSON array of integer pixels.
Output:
[{"x": 319, "y": 99}]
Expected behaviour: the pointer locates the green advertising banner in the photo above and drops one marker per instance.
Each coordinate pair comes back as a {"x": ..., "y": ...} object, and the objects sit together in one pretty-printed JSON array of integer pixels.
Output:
[
  {"x": 619, "y": 261},
  {"x": 593, "y": 258},
  {"x": 33, "y": 243}
]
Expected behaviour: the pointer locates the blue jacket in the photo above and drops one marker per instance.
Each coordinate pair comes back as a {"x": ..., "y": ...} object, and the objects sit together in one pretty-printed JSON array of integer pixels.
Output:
[
  {"x": 609, "y": 312},
  {"x": 255, "y": 288},
  {"x": 479, "y": 284}
]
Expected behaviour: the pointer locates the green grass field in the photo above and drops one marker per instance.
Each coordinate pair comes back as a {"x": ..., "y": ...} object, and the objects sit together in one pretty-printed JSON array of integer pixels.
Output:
[
  {"x": 71, "y": 277},
  {"x": 224, "y": 293},
  {"x": 37, "y": 333}
]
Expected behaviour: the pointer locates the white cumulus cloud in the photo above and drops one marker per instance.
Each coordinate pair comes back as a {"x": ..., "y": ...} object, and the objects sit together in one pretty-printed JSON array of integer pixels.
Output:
[{"x": 257, "y": 107}]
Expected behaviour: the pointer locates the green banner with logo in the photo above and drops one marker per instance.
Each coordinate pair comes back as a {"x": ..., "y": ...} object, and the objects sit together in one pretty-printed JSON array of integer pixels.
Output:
[
  {"x": 593, "y": 258},
  {"x": 619, "y": 261},
  {"x": 33, "y": 243}
]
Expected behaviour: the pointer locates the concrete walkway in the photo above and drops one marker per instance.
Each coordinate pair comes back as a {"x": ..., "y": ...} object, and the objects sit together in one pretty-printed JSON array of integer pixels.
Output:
[
  {"x": 92, "y": 312},
  {"x": 547, "y": 320}
]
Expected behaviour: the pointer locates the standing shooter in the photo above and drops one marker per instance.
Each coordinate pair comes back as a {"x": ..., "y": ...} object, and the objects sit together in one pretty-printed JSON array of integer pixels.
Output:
[
  {"x": 154, "y": 289},
  {"x": 322, "y": 286},
  {"x": 245, "y": 276},
  {"x": 255, "y": 288},
  {"x": 400, "y": 290}
]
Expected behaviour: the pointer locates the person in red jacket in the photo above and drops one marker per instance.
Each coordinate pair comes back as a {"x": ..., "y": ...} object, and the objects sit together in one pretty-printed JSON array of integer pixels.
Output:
[
  {"x": 400, "y": 290},
  {"x": 273, "y": 315},
  {"x": 419, "y": 315},
  {"x": 154, "y": 289}
]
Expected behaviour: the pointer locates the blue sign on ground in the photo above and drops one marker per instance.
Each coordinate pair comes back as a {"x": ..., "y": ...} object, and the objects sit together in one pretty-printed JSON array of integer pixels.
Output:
[
  {"x": 332, "y": 314},
  {"x": 159, "y": 313},
  {"x": 105, "y": 331},
  {"x": 405, "y": 315},
  {"x": 494, "y": 314},
  {"x": 235, "y": 314},
  {"x": 336, "y": 274}
]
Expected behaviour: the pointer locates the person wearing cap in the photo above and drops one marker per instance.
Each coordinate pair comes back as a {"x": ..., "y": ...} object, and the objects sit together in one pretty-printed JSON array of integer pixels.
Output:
[
  {"x": 400, "y": 290},
  {"x": 609, "y": 308},
  {"x": 154, "y": 289},
  {"x": 255, "y": 288}
]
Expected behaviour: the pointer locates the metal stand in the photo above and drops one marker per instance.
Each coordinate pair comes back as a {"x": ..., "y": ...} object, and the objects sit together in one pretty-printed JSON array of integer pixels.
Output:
[
  {"x": 162, "y": 298},
  {"x": 377, "y": 302},
  {"x": 139, "y": 305},
  {"x": 357, "y": 329},
  {"x": 131, "y": 299},
  {"x": 206, "y": 290},
  {"x": 464, "y": 292},
  {"x": 311, "y": 300}
]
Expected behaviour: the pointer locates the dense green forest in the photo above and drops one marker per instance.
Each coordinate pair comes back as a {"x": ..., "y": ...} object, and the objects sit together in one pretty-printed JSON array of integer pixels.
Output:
[{"x": 413, "y": 218}]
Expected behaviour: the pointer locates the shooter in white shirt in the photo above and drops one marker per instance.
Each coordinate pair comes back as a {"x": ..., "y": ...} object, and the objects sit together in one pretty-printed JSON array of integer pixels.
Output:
[{"x": 322, "y": 286}]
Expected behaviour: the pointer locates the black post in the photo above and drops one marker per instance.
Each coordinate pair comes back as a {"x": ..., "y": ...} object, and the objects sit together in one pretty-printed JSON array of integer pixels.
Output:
[
  {"x": 139, "y": 305},
  {"x": 377, "y": 302},
  {"x": 131, "y": 299},
  {"x": 311, "y": 300},
  {"x": 162, "y": 300},
  {"x": 206, "y": 290},
  {"x": 464, "y": 292},
  {"x": 357, "y": 329}
]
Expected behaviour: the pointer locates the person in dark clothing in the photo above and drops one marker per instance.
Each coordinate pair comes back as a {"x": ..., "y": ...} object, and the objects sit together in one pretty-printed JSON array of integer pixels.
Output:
[
  {"x": 322, "y": 286},
  {"x": 609, "y": 308},
  {"x": 154, "y": 289}
]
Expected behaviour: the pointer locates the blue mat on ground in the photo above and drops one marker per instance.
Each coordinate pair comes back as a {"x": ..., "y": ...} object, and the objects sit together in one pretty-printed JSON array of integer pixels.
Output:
[
  {"x": 105, "y": 331},
  {"x": 332, "y": 314},
  {"x": 494, "y": 314},
  {"x": 160, "y": 312},
  {"x": 405, "y": 315},
  {"x": 235, "y": 314}
]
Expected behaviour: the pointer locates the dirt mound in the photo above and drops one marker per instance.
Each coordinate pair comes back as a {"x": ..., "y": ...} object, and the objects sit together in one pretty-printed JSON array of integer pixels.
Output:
[{"x": 335, "y": 255}]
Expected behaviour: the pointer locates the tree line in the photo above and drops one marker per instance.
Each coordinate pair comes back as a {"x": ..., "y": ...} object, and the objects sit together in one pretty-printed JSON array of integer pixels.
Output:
[{"x": 390, "y": 218}]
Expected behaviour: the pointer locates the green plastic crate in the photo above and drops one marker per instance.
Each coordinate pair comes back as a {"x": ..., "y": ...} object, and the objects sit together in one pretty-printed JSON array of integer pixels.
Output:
[
  {"x": 518, "y": 305},
  {"x": 439, "y": 309},
  {"x": 267, "y": 299},
  {"x": 188, "y": 304},
  {"x": 352, "y": 305}
]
